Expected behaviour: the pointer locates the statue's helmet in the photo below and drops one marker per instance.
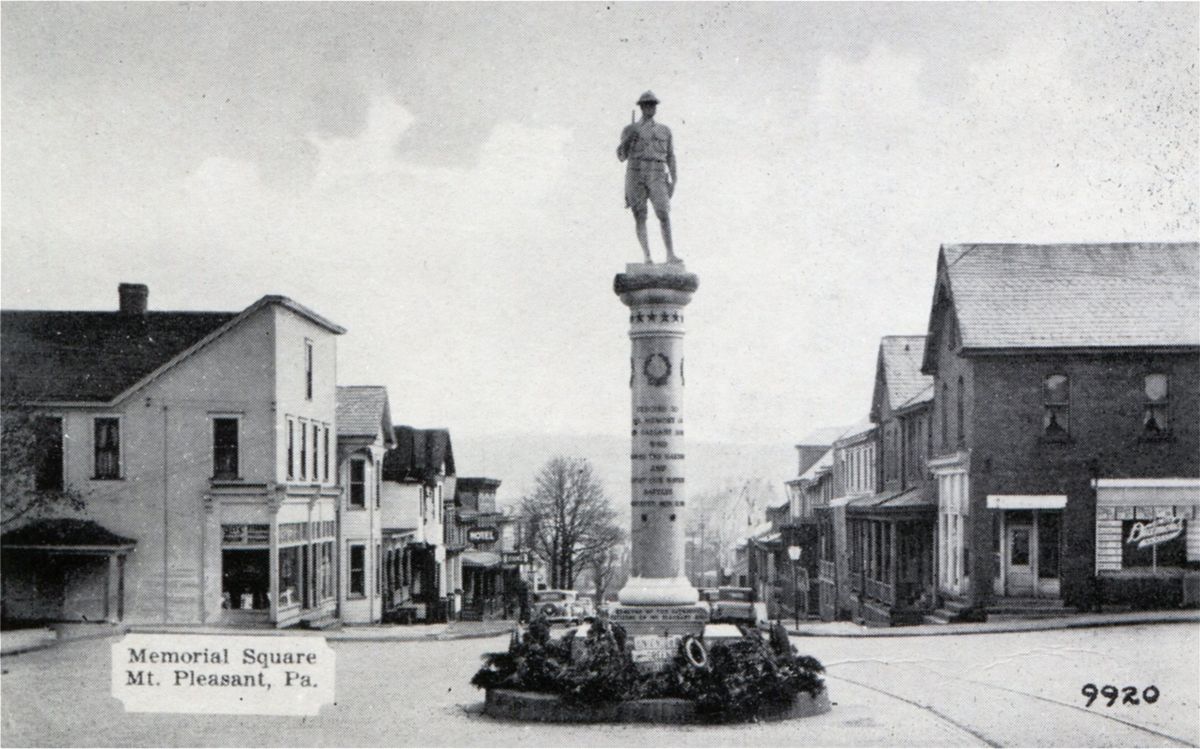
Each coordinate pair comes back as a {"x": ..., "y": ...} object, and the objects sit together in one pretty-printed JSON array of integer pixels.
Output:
[{"x": 647, "y": 98}]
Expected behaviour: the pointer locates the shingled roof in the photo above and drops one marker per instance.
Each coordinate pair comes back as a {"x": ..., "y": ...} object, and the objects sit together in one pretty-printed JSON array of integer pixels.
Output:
[
  {"x": 92, "y": 356},
  {"x": 418, "y": 455},
  {"x": 363, "y": 411},
  {"x": 1072, "y": 295},
  {"x": 83, "y": 356},
  {"x": 64, "y": 532},
  {"x": 901, "y": 358}
]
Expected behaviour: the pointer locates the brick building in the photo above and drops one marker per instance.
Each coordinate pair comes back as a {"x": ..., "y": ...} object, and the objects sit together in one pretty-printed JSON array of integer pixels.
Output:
[{"x": 1067, "y": 408}]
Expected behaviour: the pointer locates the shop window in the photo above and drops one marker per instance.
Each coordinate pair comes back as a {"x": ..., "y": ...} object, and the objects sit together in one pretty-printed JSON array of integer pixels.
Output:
[
  {"x": 245, "y": 578},
  {"x": 48, "y": 456},
  {"x": 289, "y": 576},
  {"x": 1056, "y": 406},
  {"x": 358, "y": 483},
  {"x": 225, "y": 448},
  {"x": 1154, "y": 416},
  {"x": 1048, "y": 537},
  {"x": 358, "y": 560},
  {"x": 107, "y": 445},
  {"x": 327, "y": 569},
  {"x": 1139, "y": 550}
]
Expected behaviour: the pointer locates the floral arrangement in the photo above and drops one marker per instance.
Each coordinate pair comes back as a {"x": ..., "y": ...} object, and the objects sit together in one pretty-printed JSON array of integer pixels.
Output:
[{"x": 731, "y": 680}]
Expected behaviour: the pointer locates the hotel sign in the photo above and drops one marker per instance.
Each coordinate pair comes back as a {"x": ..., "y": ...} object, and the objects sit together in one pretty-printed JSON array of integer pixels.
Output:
[{"x": 481, "y": 535}]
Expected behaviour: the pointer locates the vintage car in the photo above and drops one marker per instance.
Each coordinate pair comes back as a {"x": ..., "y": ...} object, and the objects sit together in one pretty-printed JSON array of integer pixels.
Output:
[
  {"x": 734, "y": 606},
  {"x": 558, "y": 606}
]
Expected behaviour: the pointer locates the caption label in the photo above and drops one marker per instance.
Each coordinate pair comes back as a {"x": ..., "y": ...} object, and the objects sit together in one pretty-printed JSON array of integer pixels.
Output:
[{"x": 235, "y": 674}]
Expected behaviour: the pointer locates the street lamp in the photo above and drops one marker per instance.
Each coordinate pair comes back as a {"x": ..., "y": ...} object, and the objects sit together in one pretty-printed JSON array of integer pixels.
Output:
[{"x": 794, "y": 554}]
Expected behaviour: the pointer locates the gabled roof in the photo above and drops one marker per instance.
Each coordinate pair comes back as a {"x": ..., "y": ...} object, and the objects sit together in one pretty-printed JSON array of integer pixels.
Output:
[
  {"x": 64, "y": 532},
  {"x": 418, "y": 455},
  {"x": 92, "y": 356},
  {"x": 858, "y": 430},
  {"x": 363, "y": 411},
  {"x": 57, "y": 356},
  {"x": 1071, "y": 295},
  {"x": 823, "y": 464},
  {"x": 822, "y": 437},
  {"x": 900, "y": 366}
]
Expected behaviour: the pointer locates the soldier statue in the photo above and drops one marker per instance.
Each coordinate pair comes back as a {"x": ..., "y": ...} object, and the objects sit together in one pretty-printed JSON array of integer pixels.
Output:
[{"x": 650, "y": 159}]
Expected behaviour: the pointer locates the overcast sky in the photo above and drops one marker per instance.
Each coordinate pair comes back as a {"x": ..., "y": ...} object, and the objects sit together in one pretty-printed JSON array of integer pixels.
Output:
[{"x": 441, "y": 180}]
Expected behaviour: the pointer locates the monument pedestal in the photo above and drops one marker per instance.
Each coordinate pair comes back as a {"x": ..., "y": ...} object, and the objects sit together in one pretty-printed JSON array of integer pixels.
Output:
[{"x": 658, "y": 605}]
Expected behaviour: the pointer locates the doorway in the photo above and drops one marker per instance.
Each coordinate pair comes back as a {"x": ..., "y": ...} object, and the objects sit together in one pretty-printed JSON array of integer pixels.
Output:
[{"x": 1030, "y": 553}]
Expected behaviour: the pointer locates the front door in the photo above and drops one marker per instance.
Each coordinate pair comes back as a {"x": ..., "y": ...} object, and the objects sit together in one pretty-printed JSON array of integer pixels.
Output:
[{"x": 1020, "y": 545}]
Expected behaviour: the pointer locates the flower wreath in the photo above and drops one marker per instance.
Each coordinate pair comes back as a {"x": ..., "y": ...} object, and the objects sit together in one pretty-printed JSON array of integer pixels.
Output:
[
  {"x": 695, "y": 652},
  {"x": 657, "y": 380}
]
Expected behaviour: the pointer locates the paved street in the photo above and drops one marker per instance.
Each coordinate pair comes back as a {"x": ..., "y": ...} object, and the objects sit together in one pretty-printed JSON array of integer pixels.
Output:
[{"x": 969, "y": 690}]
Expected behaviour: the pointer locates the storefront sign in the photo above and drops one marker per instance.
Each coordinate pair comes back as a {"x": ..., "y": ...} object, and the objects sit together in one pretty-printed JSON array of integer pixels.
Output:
[
  {"x": 481, "y": 535},
  {"x": 232, "y": 674},
  {"x": 515, "y": 557},
  {"x": 1155, "y": 532}
]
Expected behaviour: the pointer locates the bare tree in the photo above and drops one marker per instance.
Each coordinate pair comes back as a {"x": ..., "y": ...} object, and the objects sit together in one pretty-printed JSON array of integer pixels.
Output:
[
  {"x": 31, "y": 467},
  {"x": 572, "y": 523}
]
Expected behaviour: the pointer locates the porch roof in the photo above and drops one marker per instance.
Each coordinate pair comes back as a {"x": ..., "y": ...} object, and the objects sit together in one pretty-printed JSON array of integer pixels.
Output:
[
  {"x": 912, "y": 499},
  {"x": 65, "y": 534}
]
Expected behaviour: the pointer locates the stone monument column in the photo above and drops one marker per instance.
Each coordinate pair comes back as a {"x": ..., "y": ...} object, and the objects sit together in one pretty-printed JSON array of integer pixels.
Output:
[{"x": 656, "y": 296}]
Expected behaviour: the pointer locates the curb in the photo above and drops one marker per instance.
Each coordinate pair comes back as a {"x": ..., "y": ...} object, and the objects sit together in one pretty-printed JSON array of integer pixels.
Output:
[{"x": 984, "y": 628}]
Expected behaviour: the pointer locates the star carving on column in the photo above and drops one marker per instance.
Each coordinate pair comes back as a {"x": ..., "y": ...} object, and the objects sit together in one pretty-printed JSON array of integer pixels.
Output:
[
  {"x": 639, "y": 317},
  {"x": 675, "y": 316},
  {"x": 653, "y": 317}
]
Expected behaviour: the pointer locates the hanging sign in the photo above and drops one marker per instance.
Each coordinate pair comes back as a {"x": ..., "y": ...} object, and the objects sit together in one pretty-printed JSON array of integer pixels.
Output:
[
  {"x": 1155, "y": 532},
  {"x": 481, "y": 535}
]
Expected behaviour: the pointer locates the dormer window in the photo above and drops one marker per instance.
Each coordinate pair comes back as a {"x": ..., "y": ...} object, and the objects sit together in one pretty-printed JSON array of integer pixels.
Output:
[
  {"x": 1154, "y": 416},
  {"x": 1056, "y": 406}
]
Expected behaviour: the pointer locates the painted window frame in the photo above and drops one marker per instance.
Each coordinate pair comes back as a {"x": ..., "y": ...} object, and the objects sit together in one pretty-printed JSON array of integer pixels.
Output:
[
  {"x": 291, "y": 448},
  {"x": 303, "y": 452},
  {"x": 1159, "y": 409},
  {"x": 213, "y": 418},
  {"x": 351, "y": 483},
  {"x": 351, "y": 570},
  {"x": 120, "y": 473},
  {"x": 1053, "y": 409},
  {"x": 309, "y": 363}
]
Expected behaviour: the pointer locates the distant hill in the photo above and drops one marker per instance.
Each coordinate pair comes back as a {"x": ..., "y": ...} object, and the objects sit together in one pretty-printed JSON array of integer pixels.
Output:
[{"x": 711, "y": 467}]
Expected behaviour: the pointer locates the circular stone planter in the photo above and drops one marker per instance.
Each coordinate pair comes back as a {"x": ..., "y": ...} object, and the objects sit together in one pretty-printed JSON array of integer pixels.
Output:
[{"x": 549, "y": 708}]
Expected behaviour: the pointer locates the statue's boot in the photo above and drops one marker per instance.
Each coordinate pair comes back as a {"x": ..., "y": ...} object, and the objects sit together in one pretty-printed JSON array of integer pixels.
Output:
[
  {"x": 643, "y": 239},
  {"x": 666, "y": 234}
]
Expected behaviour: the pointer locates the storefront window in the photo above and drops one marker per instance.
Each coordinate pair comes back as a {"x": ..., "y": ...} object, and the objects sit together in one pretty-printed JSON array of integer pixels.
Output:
[
  {"x": 1154, "y": 543},
  {"x": 289, "y": 576},
  {"x": 245, "y": 579}
]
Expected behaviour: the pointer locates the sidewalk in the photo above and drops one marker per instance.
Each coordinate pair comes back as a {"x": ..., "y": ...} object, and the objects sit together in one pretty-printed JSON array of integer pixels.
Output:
[
  {"x": 13, "y": 642},
  {"x": 1073, "y": 621}
]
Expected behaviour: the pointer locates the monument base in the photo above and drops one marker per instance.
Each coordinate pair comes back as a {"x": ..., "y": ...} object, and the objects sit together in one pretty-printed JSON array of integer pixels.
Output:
[
  {"x": 658, "y": 591},
  {"x": 654, "y": 632}
]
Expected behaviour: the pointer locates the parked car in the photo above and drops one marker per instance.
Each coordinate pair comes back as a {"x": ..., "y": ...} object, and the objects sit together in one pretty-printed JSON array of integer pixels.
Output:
[
  {"x": 558, "y": 606},
  {"x": 734, "y": 606}
]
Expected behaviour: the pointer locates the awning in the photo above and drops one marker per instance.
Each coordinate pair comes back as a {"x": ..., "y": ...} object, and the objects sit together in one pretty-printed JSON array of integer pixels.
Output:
[
  {"x": 480, "y": 559},
  {"x": 68, "y": 535},
  {"x": 1026, "y": 501},
  {"x": 1147, "y": 492}
]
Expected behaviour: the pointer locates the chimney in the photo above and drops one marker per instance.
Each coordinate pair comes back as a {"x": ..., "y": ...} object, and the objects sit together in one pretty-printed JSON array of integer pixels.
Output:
[{"x": 133, "y": 298}]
